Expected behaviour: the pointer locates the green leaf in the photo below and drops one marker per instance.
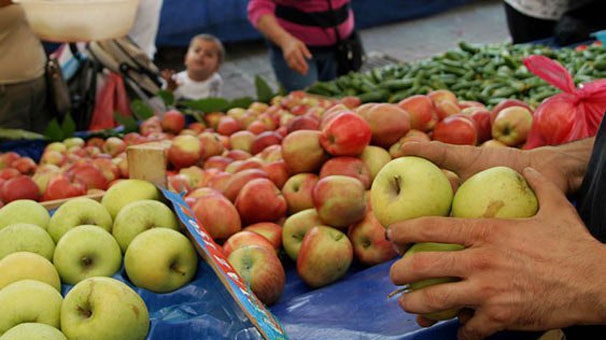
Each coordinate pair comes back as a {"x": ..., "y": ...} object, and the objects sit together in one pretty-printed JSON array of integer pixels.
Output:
[
  {"x": 128, "y": 122},
  {"x": 141, "y": 110},
  {"x": 242, "y": 102},
  {"x": 53, "y": 131},
  {"x": 264, "y": 92},
  {"x": 19, "y": 134},
  {"x": 211, "y": 104},
  {"x": 167, "y": 97},
  {"x": 68, "y": 126}
]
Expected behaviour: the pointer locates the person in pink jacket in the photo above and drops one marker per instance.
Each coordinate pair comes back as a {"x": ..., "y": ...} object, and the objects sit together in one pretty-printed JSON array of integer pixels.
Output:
[{"x": 301, "y": 37}]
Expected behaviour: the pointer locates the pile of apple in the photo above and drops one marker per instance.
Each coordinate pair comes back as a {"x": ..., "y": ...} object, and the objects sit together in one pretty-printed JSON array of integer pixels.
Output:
[{"x": 58, "y": 272}]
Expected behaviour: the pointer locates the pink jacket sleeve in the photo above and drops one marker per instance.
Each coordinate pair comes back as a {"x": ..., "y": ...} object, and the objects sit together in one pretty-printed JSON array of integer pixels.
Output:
[{"x": 257, "y": 8}]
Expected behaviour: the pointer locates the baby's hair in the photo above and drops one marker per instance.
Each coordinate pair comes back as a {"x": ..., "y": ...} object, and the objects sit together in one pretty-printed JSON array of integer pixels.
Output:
[{"x": 213, "y": 39}]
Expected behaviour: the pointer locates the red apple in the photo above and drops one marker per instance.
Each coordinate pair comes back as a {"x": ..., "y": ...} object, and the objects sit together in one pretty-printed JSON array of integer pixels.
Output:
[
  {"x": 482, "y": 118},
  {"x": 302, "y": 151},
  {"x": 217, "y": 162},
  {"x": 271, "y": 231},
  {"x": 235, "y": 183},
  {"x": 421, "y": 110},
  {"x": 19, "y": 187},
  {"x": 456, "y": 129},
  {"x": 412, "y": 136},
  {"x": 304, "y": 122},
  {"x": 184, "y": 151},
  {"x": 113, "y": 146},
  {"x": 172, "y": 121},
  {"x": 260, "y": 201},
  {"x": 228, "y": 125},
  {"x": 24, "y": 165},
  {"x": 347, "y": 166},
  {"x": 297, "y": 191},
  {"x": 88, "y": 175},
  {"x": 370, "y": 245},
  {"x": 277, "y": 171},
  {"x": 264, "y": 140},
  {"x": 294, "y": 229},
  {"x": 7, "y": 158},
  {"x": 210, "y": 145},
  {"x": 245, "y": 238},
  {"x": 387, "y": 122},
  {"x": 218, "y": 216},
  {"x": 512, "y": 125},
  {"x": 339, "y": 200},
  {"x": 242, "y": 140},
  {"x": 346, "y": 134},
  {"x": 508, "y": 103},
  {"x": 60, "y": 187}
]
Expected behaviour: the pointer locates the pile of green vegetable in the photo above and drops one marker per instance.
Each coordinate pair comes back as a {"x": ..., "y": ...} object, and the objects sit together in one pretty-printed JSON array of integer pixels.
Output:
[{"x": 484, "y": 73}]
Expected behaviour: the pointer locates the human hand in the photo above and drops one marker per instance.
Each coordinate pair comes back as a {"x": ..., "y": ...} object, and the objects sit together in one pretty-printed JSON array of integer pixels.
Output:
[
  {"x": 295, "y": 53},
  {"x": 515, "y": 274},
  {"x": 565, "y": 168},
  {"x": 168, "y": 76}
]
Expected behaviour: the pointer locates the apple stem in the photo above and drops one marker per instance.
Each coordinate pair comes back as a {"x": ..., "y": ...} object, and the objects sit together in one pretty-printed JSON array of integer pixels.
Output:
[
  {"x": 86, "y": 261},
  {"x": 397, "y": 184},
  {"x": 85, "y": 311}
]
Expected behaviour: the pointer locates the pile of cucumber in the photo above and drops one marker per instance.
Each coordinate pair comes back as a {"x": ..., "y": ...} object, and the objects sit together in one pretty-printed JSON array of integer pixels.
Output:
[{"x": 484, "y": 73}]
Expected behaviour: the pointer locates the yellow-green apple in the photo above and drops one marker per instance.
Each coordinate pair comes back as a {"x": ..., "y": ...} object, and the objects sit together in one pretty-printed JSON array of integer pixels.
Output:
[
  {"x": 114, "y": 146},
  {"x": 239, "y": 179},
  {"x": 78, "y": 211},
  {"x": 161, "y": 260},
  {"x": 138, "y": 216},
  {"x": 324, "y": 257},
  {"x": 60, "y": 186},
  {"x": 302, "y": 151},
  {"x": 499, "y": 192},
  {"x": 492, "y": 143},
  {"x": 236, "y": 112},
  {"x": 172, "y": 121},
  {"x": 242, "y": 140},
  {"x": 24, "y": 211},
  {"x": 43, "y": 174},
  {"x": 126, "y": 191},
  {"x": 277, "y": 171},
  {"x": 88, "y": 175},
  {"x": 512, "y": 125},
  {"x": 387, "y": 122},
  {"x": 217, "y": 215},
  {"x": 297, "y": 191},
  {"x": 374, "y": 158},
  {"x": 57, "y": 146},
  {"x": 294, "y": 229},
  {"x": 430, "y": 246},
  {"x": 412, "y": 136},
  {"x": 19, "y": 188},
  {"x": 86, "y": 251},
  {"x": 33, "y": 330},
  {"x": 260, "y": 200},
  {"x": 26, "y": 237},
  {"x": 74, "y": 141},
  {"x": 262, "y": 271},
  {"x": 245, "y": 238},
  {"x": 409, "y": 187},
  {"x": 370, "y": 245},
  {"x": 101, "y": 308},
  {"x": 456, "y": 129},
  {"x": 339, "y": 200},
  {"x": 271, "y": 231},
  {"x": 27, "y": 300},
  {"x": 482, "y": 118},
  {"x": 347, "y": 166},
  {"x": 53, "y": 157},
  {"x": 505, "y": 103},
  {"x": 211, "y": 145},
  {"x": 24, "y": 265},
  {"x": 184, "y": 151},
  {"x": 421, "y": 110},
  {"x": 346, "y": 134}
]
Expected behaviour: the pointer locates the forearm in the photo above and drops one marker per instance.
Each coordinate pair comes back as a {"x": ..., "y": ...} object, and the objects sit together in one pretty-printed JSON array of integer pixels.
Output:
[
  {"x": 269, "y": 27},
  {"x": 4, "y": 3}
]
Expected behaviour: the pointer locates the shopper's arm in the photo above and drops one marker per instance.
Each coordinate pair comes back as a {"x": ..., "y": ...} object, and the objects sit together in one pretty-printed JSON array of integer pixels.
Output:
[
  {"x": 564, "y": 164},
  {"x": 4, "y": 3},
  {"x": 538, "y": 273}
]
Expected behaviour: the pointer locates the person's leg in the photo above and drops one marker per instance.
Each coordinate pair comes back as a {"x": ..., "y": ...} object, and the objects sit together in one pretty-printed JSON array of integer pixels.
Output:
[
  {"x": 287, "y": 77},
  {"x": 327, "y": 66},
  {"x": 24, "y": 106},
  {"x": 40, "y": 113},
  {"x": 523, "y": 28}
]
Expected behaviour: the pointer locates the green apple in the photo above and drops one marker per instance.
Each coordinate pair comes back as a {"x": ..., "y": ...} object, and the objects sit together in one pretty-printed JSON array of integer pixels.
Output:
[
  {"x": 294, "y": 229},
  {"x": 26, "y": 300},
  {"x": 126, "y": 191},
  {"x": 24, "y": 211},
  {"x": 86, "y": 251},
  {"x": 31, "y": 331},
  {"x": 262, "y": 271},
  {"x": 25, "y": 265},
  {"x": 138, "y": 216},
  {"x": 499, "y": 192},
  {"x": 431, "y": 246},
  {"x": 375, "y": 158},
  {"x": 409, "y": 187},
  {"x": 78, "y": 211},
  {"x": 325, "y": 256},
  {"x": 26, "y": 237},
  {"x": 100, "y": 308},
  {"x": 160, "y": 260}
]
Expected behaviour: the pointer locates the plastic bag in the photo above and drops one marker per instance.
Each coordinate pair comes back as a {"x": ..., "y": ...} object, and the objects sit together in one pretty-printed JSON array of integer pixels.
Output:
[
  {"x": 111, "y": 97},
  {"x": 574, "y": 114}
]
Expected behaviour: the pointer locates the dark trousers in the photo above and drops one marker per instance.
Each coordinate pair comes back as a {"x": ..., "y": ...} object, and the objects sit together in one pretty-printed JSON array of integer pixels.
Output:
[
  {"x": 523, "y": 28},
  {"x": 24, "y": 106}
]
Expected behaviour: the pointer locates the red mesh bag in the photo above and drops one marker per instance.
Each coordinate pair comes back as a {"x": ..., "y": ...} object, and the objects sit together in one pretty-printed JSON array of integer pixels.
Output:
[
  {"x": 111, "y": 97},
  {"x": 574, "y": 114}
]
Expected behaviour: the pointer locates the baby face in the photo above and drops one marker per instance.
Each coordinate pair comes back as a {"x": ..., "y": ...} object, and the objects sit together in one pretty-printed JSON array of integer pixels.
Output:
[{"x": 202, "y": 59}]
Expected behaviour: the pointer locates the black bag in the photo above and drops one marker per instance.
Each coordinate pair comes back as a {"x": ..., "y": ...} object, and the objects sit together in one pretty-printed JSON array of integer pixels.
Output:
[
  {"x": 58, "y": 91},
  {"x": 349, "y": 54}
]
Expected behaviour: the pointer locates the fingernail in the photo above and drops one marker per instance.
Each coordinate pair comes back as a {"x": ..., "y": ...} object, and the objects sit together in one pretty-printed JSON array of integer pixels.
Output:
[{"x": 388, "y": 234}]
